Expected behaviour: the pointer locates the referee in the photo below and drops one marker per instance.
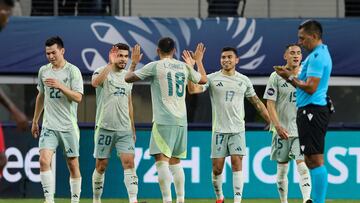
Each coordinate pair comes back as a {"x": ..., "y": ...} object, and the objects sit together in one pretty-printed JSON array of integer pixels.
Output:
[{"x": 313, "y": 113}]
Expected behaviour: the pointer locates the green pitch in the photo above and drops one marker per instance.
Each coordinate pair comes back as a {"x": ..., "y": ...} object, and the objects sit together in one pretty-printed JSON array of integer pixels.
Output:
[{"x": 159, "y": 201}]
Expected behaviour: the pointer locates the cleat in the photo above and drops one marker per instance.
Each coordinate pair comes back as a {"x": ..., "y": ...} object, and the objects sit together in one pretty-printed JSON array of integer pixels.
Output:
[
  {"x": 309, "y": 201},
  {"x": 220, "y": 201}
]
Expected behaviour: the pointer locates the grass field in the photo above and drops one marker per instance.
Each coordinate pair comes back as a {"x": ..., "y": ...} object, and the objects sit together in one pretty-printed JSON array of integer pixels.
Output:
[{"x": 159, "y": 201}]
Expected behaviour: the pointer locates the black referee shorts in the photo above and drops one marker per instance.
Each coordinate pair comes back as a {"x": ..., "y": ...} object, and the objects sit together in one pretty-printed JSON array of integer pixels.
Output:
[{"x": 312, "y": 122}]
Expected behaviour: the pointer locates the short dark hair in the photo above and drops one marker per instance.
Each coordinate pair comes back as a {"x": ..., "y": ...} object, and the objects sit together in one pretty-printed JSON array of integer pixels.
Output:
[
  {"x": 292, "y": 45},
  {"x": 54, "y": 40},
  {"x": 166, "y": 45},
  {"x": 230, "y": 49},
  {"x": 312, "y": 27},
  {"x": 122, "y": 46},
  {"x": 10, "y": 3}
]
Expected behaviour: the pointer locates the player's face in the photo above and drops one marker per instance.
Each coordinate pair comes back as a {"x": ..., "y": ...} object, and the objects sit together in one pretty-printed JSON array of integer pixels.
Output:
[
  {"x": 228, "y": 60},
  {"x": 305, "y": 40},
  {"x": 293, "y": 56},
  {"x": 122, "y": 58},
  {"x": 5, "y": 12},
  {"x": 55, "y": 55}
]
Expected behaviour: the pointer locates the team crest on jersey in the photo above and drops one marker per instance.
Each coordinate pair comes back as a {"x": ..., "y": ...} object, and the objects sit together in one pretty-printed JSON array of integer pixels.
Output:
[
  {"x": 270, "y": 91},
  {"x": 65, "y": 80}
]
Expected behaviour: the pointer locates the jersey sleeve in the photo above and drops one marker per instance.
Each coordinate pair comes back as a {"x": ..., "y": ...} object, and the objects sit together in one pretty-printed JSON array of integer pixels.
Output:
[
  {"x": 315, "y": 66},
  {"x": 194, "y": 76},
  {"x": 146, "y": 72},
  {"x": 271, "y": 89},
  {"x": 77, "y": 81},
  {"x": 250, "y": 91},
  {"x": 40, "y": 85}
]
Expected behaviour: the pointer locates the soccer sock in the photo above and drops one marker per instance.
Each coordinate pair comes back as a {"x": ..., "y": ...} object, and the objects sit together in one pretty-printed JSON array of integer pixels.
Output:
[
  {"x": 217, "y": 184},
  {"x": 75, "y": 188},
  {"x": 282, "y": 181},
  {"x": 238, "y": 184},
  {"x": 48, "y": 185},
  {"x": 97, "y": 185},
  {"x": 179, "y": 182},
  {"x": 164, "y": 178},
  {"x": 305, "y": 181},
  {"x": 319, "y": 182},
  {"x": 131, "y": 183}
]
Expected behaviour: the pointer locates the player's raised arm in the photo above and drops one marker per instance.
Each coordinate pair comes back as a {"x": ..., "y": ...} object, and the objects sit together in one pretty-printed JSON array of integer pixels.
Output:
[
  {"x": 198, "y": 57},
  {"x": 99, "y": 78},
  {"x": 260, "y": 107},
  {"x": 136, "y": 56}
]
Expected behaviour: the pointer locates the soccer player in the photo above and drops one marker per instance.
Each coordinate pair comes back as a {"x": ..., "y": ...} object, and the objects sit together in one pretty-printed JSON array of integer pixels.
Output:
[
  {"x": 19, "y": 117},
  {"x": 228, "y": 88},
  {"x": 281, "y": 98},
  {"x": 314, "y": 109},
  {"x": 60, "y": 86},
  {"x": 114, "y": 120},
  {"x": 168, "y": 78}
]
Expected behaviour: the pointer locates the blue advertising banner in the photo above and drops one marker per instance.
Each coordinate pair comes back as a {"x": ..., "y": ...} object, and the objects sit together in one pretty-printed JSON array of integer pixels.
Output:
[
  {"x": 260, "y": 42},
  {"x": 343, "y": 157}
]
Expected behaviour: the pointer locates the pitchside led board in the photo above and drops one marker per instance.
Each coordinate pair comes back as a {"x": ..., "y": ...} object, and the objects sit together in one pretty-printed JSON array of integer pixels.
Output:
[{"x": 343, "y": 162}]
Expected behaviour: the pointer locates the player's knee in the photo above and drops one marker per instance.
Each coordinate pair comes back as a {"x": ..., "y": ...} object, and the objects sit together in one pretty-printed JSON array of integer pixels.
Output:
[
  {"x": 73, "y": 164},
  {"x": 44, "y": 163},
  {"x": 217, "y": 170},
  {"x": 101, "y": 166},
  {"x": 128, "y": 163}
]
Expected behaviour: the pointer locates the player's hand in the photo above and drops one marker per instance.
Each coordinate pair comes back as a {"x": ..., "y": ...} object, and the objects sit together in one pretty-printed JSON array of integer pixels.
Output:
[
  {"x": 52, "y": 82},
  {"x": 113, "y": 55},
  {"x": 282, "y": 132},
  {"x": 35, "y": 129},
  {"x": 199, "y": 52},
  {"x": 136, "y": 55},
  {"x": 282, "y": 71},
  {"x": 186, "y": 55},
  {"x": 20, "y": 119}
]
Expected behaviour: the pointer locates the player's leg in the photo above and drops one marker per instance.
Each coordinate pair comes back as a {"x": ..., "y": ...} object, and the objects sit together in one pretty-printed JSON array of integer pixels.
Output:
[
  {"x": 103, "y": 142},
  {"x": 177, "y": 171},
  {"x": 48, "y": 143},
  {"x": 237, "y": 149},
  {"x": 125, "y": 147},
  {"x": 312, "y": 131},
  {"x": 164, "y": 176},
  {"x": 305, "y": 180},
  {"x": 218, "y": 153},
  {"x": 70, "y": 142},
  {"x": 280, "y": 149},
  {"x": 161, "y": 147},
  {"x": 98, "y": 178},
  {"x": 217, "y": 178}
]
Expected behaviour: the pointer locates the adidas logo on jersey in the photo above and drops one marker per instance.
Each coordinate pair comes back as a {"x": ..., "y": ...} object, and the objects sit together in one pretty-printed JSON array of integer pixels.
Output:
[
  {"x": 220, "y": 84},
  {"x": 285, "y": 85}
]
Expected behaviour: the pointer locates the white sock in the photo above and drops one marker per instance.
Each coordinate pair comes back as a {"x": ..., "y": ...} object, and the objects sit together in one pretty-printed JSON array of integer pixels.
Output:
[
  {"x": 97, "y": 186},
  {"x": 164, "y": 178},
  {"x": 75, "y": 188},
  {"x": 217, "y": 185},
  {"x": 131, "y": 183},
  {"x": 282, "y": 181},
  {"x": 305, "y": 180},
  {"x": 179, "y": 182},
  {"x": 238, "y": 184},
  {"x": 48, "y": 185}
]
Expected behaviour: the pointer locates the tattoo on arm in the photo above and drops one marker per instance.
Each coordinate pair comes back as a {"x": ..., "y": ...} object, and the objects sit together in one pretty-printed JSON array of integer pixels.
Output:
[{"x": 260, "y": 107}]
